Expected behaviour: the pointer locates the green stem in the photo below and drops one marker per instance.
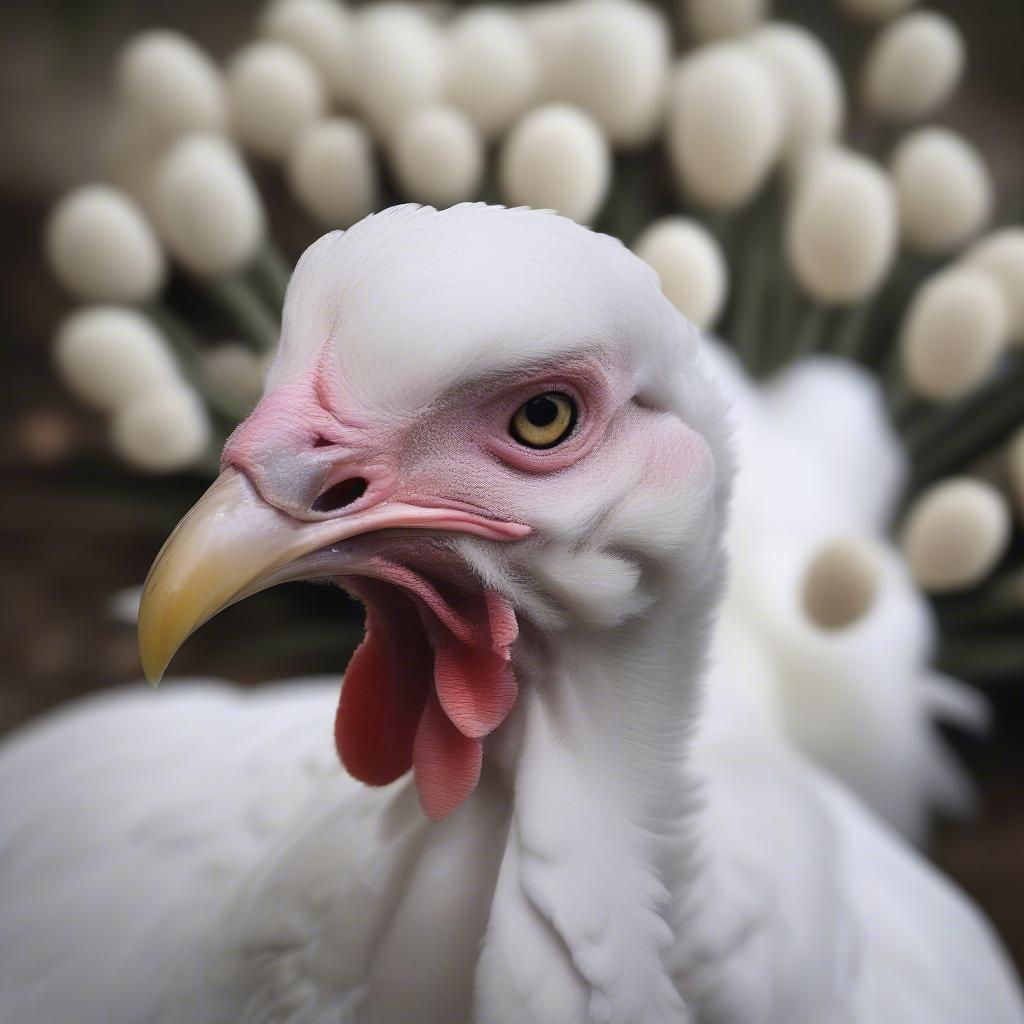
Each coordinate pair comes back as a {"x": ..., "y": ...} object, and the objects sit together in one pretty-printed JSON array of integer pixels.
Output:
[
  {"x": 247, "y": 312},
  {"x": 809, "y": 333},
  {"x": 998, "y": 605},
  {"x": 270, "y": 274},
  {"x": 190, "y": 356},
  {"x": 957, "y": 434},
  {"x": 983, "y": 659},
  {"x": 758, "y": 257},
  {"x": 851, "y": 337}
]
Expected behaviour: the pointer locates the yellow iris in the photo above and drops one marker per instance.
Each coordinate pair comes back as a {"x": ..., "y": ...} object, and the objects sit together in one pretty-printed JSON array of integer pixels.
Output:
[{"x": 544, "y": 421}]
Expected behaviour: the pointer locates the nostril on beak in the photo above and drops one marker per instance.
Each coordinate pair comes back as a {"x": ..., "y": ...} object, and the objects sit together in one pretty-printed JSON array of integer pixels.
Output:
[{"x": 340, "y": 494}]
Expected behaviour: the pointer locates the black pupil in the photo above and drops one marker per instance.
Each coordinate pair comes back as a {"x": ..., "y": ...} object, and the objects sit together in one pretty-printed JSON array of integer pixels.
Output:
[{"x": 541, "y": 411}]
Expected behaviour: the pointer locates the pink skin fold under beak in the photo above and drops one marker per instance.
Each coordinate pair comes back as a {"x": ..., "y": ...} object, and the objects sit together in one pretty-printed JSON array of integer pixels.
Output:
[{"x": 233, "y": 544}]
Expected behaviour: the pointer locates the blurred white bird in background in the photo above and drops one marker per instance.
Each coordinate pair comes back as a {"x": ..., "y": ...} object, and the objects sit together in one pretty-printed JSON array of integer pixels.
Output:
[{"x": 492, "y": 427}]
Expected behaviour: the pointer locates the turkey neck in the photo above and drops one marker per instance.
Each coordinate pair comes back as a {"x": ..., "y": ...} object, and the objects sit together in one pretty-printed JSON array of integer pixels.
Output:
[{"x": 596, "y": 757}]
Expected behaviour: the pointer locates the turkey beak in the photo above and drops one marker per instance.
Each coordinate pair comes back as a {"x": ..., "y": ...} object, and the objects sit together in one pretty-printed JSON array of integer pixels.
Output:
[{"x": 233, "y": 544}]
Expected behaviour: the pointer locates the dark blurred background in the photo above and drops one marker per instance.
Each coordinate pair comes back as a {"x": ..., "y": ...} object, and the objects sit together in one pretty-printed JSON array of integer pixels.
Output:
[{"x": 76, "y": 526}]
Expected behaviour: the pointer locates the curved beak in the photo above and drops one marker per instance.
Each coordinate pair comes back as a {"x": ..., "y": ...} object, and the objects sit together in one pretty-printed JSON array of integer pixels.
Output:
[{"x": 233, "y": 544}]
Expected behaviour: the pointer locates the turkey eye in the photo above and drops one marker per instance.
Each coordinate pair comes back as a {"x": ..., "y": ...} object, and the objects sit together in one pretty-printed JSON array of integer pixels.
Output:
[{"x": 544, "y": 421}]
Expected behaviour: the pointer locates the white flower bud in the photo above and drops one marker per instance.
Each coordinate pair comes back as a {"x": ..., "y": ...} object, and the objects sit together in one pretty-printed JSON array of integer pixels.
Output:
[
  {"x": 274, "y": 94},
  {"x": 556, "y": 158},
  {"x": 332, "y": 172},
  {"x": 438, "y": 156},
  {"x": 1002, "y": 256},
  {"x": 492, "y": 68},
  {"x": 913, "y": 67},
  {"x": 841, "y": 229},
  {"x": 842, "y": 582},
  {"x": 724, "y": 125},
  {"x": 955, "y": 534},
  {"x": 162, "y": 431},
  {"x": 551, "y": 28},
  {"x": 211, "y": 216},
  {"x": 101, "y": 247},
  {"x": 953, "y": 335},
  {"x": 876, "y": 10},
  {"x": 107, "y": 355},
  {"x": 322, "y": 31},
  {"x": 400, "y": 63},
  {"x": 236, "y": 369},
  {"x": 808, "y": 83},
  {"x": 718, "y": 19},
  {"x": 943, "y": 190},
  {"x": 689, "y": 262},
  {"x": 616, "y": 68},
  {"x": 167, "y": 83}
]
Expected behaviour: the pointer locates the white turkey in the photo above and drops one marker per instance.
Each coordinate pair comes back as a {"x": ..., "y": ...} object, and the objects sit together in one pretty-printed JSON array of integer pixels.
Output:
[{"x": 490, "y": 426}]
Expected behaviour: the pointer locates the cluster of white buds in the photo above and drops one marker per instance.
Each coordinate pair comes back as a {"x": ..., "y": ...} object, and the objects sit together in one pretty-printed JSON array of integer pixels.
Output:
[
  {"x": 764, "y": 225},
  {"x": 116, "y": 360}
]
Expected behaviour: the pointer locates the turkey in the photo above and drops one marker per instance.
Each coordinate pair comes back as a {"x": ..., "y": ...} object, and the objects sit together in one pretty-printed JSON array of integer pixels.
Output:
[{"x": 491, "y": 427}]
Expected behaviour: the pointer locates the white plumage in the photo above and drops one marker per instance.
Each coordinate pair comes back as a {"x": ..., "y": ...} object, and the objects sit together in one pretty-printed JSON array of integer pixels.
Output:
[{"x": 623, "y": 857}]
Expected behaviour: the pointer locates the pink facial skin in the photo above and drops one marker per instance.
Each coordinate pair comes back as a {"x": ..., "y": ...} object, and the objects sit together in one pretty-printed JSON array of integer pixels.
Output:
[{"x": 433, "y": 677}]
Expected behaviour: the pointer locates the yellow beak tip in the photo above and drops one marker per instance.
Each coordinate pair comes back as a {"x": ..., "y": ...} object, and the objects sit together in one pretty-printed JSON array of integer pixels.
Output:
[{"x": 153, "y": 667}]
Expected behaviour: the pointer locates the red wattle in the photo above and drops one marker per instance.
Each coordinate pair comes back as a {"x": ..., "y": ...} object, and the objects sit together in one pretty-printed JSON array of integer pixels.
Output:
[
  {"x": 426, "y": 684},
  {"x": 446, "y": 764},
  {"x": 385, "y": 690}
]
